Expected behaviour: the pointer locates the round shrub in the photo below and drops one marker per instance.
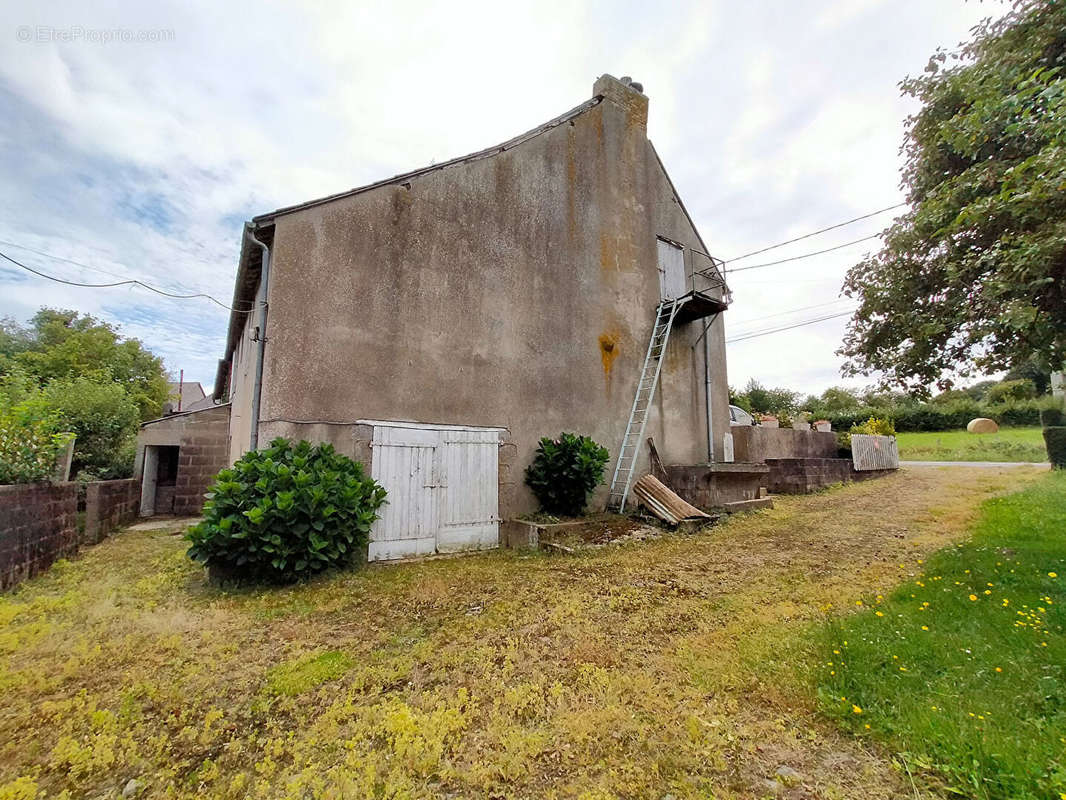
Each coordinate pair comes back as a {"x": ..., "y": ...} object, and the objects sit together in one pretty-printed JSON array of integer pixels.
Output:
[
  {"x": 1055, "y": 440},
  {"x": 565, "y": 471},
  {"x": 286, "y": 513}
]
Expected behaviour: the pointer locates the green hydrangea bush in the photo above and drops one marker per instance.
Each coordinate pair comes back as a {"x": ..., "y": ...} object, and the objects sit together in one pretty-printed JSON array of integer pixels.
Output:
[
  {"x": 286, "y": 513},
  {"x": 564, "y": 472}
]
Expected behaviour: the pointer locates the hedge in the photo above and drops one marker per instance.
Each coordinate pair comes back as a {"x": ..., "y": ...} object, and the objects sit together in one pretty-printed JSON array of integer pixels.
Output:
[
  {"x": 949, "y": 416},
  {"x": 1055, "y": 439}
]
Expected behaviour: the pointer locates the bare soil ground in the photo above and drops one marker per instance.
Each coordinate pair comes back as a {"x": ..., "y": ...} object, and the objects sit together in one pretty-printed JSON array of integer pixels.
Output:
[{"x": 652, "y": 669}]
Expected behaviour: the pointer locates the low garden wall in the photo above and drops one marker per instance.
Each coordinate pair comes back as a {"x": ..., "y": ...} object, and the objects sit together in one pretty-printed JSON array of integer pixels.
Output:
[
  {"x": 755, "y": 443},
  {"x": 805, "y": 475},
  {"x": 38, "y": 524},
  {"x": 109, "y": 505}
]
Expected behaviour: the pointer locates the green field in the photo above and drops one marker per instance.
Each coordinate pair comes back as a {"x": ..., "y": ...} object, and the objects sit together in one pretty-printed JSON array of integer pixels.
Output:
[
  {"x": 1010, "y": 444},
  {"x": 962, "y": 669}
]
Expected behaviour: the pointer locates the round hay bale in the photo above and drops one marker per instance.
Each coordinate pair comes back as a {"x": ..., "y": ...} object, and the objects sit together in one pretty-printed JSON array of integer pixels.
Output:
[{"x": 982, "y": 425}]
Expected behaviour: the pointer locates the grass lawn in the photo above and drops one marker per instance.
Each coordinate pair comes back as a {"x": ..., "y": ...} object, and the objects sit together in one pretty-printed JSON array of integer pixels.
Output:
[
  {"x": 634, "y": 671},
  {"x": 1009, "y": 444},
  {"x": 963, "y": 667}
]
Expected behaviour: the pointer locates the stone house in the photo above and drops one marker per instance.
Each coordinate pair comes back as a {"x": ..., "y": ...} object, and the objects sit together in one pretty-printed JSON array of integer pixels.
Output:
[{"x": 436, "y": 324}]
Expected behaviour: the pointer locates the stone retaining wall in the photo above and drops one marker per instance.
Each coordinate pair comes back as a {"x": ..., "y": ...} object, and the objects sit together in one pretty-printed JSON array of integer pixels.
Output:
[
  {"x": 109, "y": 505},
  {"x": 805, "y": 475},
  {"x": 38, "y": 524}
]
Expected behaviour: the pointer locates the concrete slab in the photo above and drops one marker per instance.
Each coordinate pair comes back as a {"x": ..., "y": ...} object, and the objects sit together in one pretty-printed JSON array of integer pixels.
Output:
[
  {"x": 169, "y": 523},
  {"x": 748, "y": 505}
]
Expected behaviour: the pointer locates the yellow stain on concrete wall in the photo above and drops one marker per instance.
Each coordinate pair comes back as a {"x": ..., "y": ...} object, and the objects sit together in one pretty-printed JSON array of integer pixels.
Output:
[{"x": 608, "y": 352}]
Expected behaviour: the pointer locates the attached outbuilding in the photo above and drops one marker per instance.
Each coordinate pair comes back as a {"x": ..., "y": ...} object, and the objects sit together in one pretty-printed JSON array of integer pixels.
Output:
[{"x": 178, "y": 456}]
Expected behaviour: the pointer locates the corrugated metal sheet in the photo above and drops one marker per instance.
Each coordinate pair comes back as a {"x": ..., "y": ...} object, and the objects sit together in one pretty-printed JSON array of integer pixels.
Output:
[
  {"x": 658, "y": 498},
  {"x": 874, "y": 452}
]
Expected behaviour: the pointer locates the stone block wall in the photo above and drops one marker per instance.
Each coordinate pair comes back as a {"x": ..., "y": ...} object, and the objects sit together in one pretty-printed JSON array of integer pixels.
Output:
[
  {"x": 806, "y": 475},
  {"x": 204, "y": 451},
  {"x": 709, "y": 486},
  {"x": 38, "y": 524},
  {"x": 109, "y": 505}
]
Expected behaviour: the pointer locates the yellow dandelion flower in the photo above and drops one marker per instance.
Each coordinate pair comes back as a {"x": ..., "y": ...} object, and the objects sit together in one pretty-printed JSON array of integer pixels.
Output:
[
  {"x": 855, "y": 709},
  {"x": 988, "y": 591},
  {"x": 867, "y": 726},
  {"x": 1053, "y": 574},
  {"x": 999, "y": 669},
  {"x": 973, "y": 597},
  {"x": 880, "y": 613},
  {"x": 925, "y": 627}
]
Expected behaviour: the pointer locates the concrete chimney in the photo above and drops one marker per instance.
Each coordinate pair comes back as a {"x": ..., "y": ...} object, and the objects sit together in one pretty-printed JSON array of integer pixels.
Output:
[{"x": 626, "y": 94}]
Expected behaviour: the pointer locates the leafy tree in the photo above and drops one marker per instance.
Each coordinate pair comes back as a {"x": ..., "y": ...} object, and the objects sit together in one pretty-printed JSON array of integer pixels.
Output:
[
  {"x": 837, "y": 398},
  {"x": 1011, "y": 390},
  {"x": 973, "y": 277},
  {"x": 61, "y": 345},
  {"x": 770, "y": 401},
  {"x": 102, "y": 417},
  {"x": 81, "y": 376},
  {"x": 1030, "y": 369}
]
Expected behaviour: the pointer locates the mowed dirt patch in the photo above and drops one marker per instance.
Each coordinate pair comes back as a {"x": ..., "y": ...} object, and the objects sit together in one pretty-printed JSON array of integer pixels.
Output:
[{"x": 642, "y": 670}]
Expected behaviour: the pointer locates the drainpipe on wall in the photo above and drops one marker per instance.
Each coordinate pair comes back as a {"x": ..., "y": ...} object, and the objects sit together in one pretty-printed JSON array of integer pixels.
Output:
[
  {"x": 707, "y": 386},
  {"x": 264, "y": 286}
]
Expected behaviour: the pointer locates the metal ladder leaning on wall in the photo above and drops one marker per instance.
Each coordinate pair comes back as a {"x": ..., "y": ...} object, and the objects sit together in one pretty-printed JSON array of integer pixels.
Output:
[{"x": 638, "y": 416}]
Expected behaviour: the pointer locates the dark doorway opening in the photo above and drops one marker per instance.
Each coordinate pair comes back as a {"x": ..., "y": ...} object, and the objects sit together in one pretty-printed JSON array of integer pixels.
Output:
[{"x": 166, "y": 478}]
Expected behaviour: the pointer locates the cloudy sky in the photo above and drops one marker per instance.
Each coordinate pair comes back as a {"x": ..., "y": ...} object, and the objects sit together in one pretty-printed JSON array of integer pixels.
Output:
[{"x": 140, "y": 156}]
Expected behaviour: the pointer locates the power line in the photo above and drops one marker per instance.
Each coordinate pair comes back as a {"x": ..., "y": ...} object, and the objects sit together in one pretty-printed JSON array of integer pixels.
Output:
[
  {"x": 127, "y": 282},
  {"x": 807, "y": 255},
  {"x": 814, "y": 233},
  {"x": 757, "y": 334},
  {"x": 792, "y": 311},
  {"x": 65, "y": 260}
]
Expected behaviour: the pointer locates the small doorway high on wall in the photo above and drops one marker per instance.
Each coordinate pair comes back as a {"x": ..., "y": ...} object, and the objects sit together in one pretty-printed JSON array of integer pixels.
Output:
[{"x": 160, "y": 478}]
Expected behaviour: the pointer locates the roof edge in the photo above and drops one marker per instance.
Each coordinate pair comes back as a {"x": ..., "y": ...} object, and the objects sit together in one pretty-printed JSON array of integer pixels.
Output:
[
  {"x": 403, "y": 176},
  {"x": 183, "y": 414}
]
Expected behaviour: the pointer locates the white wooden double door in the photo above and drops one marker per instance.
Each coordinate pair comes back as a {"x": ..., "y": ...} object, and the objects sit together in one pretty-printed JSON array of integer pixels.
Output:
[{"x": 443, "y": 490}]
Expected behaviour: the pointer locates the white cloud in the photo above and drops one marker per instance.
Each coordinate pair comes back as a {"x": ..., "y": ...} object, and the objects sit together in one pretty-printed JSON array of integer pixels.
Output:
[{"x": 142, "y": 159}]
